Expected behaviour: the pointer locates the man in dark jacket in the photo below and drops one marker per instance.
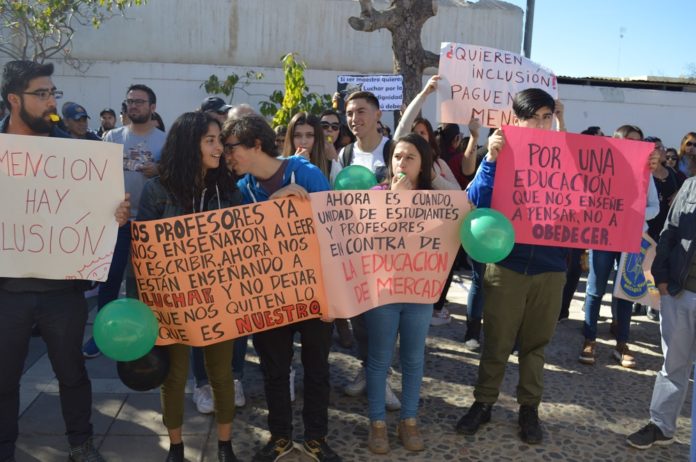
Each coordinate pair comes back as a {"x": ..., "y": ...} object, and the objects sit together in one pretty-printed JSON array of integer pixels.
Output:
[
  {"x": 674, "y": 270},
  {"x": 58, "y": 307},
  {"x": 522, "y": 295}
]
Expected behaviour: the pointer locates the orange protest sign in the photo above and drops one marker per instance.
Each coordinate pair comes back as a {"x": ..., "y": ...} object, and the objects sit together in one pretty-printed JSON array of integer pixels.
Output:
[
  {"x": 218, "y": 275},
  {"x": 381, "y": 247}
]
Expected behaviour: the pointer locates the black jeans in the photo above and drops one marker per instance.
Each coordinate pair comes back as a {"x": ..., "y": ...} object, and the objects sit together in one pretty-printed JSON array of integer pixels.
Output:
[
  {"x": 274, "y": 348},
  {"x": 61, "y": 317}
]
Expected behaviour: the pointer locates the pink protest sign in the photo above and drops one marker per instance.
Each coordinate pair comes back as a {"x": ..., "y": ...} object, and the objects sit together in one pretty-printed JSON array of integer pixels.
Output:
[
  {"x": 481, "y": 82},
  {"x": 568, "y": 190},
  {"x": 380, "y": 247}
]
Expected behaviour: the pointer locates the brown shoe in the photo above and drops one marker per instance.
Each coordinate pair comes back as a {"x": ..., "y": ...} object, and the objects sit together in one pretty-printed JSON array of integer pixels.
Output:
[
  {"x": 345, "y": 336},
  {"x": 377, "y": 440},
  {"x": 588, "y": 353},
  {"x": 410, "y": 435},
  {"x": 623, "y": 356}
]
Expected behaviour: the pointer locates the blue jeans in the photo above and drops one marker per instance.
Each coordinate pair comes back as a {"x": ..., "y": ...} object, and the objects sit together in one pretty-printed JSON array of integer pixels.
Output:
[
  {"x": 238, "y": 357},
  {"x": 601, "y": 266},
  {"x": 411, "y": 321}
]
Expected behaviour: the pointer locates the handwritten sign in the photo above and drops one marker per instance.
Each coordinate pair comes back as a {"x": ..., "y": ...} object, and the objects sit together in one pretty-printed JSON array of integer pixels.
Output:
[
  {"x": 389, "y": 89},
  {"x": 57, "y": 213},
  {"x": 382, "y": 247},
  {"x": 568, "y": 190},
  {"x": 635, "y": 281},
  {"x": 218, "y": 275},
  {"x": 481, "y": 82}
]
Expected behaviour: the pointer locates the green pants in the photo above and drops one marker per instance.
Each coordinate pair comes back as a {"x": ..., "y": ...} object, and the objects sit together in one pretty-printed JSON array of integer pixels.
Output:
[
  {"x": 218, "y": 366},
  {"x": 522, "y": 307}
]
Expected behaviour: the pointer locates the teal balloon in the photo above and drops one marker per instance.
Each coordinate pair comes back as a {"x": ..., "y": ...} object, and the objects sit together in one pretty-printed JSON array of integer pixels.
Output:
[
  {"x": 355, "y": 177},
  {"x": 487, "y": 235},
  {"x": 125, "y": 329}
]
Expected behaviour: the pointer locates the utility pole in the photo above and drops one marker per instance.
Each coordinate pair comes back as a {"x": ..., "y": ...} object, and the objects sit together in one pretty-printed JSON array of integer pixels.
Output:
[{"x": 528, "y": 28}]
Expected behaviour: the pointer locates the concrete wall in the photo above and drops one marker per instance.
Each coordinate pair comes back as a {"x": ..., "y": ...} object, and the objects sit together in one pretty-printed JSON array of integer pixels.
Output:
[{"x": 256, "y": 33}]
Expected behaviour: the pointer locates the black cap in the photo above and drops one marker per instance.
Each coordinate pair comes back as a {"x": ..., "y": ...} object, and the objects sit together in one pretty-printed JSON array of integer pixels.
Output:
[
  {"x": 107, "y": 110},
  {"x": 214, "y": 104}
]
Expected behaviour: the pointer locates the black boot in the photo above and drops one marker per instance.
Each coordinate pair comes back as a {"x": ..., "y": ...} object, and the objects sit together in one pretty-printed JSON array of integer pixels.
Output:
[
  {"x": 530, "y": 426},
  {"x": 176, "y": 453},
  {"x": 225, "y": 452},
  {"x": 478, "y": 414}
]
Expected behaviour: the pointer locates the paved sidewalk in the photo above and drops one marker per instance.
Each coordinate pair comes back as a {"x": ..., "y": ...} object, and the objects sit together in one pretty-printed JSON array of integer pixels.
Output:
[{"x": 587, "y": 410}]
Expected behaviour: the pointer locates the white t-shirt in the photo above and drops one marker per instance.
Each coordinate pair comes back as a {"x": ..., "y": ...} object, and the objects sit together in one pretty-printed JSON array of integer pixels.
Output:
[{"x": 373, "y": 160}]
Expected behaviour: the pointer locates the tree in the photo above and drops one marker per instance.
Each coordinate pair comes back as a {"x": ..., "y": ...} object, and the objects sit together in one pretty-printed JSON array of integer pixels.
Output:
[
  {"x": 297, "y": 97},
  {"x": 232, "y": 82},
  {"x": 37, "y": 30},
  {"x": 404, "y": 19}
]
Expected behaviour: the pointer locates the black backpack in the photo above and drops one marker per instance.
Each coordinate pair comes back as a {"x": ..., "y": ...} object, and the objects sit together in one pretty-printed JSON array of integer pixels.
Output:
[{"x": 381, "y": 173}]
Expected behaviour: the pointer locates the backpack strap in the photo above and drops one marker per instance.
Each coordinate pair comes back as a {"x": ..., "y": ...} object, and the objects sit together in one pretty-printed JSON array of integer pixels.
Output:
[{"x": 347, "y": 154}]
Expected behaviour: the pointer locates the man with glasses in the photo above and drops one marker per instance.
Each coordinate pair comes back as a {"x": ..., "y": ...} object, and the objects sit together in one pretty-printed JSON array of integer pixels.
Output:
[
  {"x": 142, "y": 146},
  {"x": 57, "y": 307}
]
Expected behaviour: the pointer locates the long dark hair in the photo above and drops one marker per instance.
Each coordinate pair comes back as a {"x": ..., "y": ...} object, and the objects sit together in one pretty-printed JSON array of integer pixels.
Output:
[
  {"x": 316, "y": 155},
  {"x": 446, "y": 133},
  {"x": 181, "y": 167},
  {"x": 425, "y": 180},
  {"x": 432, "y": 141}
]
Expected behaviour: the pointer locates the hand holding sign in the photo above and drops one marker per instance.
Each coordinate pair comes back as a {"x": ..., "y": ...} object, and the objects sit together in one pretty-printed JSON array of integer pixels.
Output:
[{"x": 495, "y": 144}]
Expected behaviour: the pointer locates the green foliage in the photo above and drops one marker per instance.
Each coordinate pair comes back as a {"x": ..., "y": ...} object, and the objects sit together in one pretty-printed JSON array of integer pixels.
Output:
[
  {"x": 227, "y": 87},
  {"x": 296, "y": 98},
  {"x": 40, "y": 29}
]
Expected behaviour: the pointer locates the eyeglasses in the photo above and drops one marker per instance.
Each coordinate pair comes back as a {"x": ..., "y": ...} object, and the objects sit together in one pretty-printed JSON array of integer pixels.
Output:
[
  {"x": 674, "y": 158},
  {"x": 229, "y": 147},
  {"x": 43, "y": 94},
  {"x": 332, "y": 126},
  {"x": 690, "y": 143},
  {"x": 135, "y": 102}
]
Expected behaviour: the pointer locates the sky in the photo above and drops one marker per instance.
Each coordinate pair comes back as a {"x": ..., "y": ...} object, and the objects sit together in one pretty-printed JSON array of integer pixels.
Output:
[{"x": 614, "y": 38}]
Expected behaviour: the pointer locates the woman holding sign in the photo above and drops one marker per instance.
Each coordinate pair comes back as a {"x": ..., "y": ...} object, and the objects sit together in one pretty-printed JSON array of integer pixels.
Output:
[
  {"x": 192, "y": 179},
  {"x": 410, "y": 168},
  {"x": 601, "y": 265}
]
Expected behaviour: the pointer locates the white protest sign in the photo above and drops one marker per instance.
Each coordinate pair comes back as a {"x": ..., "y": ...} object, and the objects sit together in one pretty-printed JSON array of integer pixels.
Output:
[
  {"x": 481, "y": 82},
  {"x": 389, "y": 89},
  {"x": 57, "y": 213}
]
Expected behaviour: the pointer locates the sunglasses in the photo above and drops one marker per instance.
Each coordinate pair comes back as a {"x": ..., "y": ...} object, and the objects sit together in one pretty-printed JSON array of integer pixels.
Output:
[
  {"x": 671, "y": 158},
  {"x": 332, "y": 126},
  {"x": 690, "y": 143}
]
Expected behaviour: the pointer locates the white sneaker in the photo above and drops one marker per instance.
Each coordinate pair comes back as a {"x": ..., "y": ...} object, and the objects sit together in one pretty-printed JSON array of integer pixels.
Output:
[
  {"x": 203, "y": 398},
  {"x": 292, "y": 384},
  {"x": 239, "y": 398},
  {"x": 441, "y": 317},
  {"x": 472, "y": 344},
  {"x": 391, "y": 402},
  {"x": 358, "y": 385}
]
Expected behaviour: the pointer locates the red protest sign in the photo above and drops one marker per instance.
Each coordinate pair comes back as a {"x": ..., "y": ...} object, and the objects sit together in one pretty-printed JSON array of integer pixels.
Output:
[{"x": 567, "y": 190}]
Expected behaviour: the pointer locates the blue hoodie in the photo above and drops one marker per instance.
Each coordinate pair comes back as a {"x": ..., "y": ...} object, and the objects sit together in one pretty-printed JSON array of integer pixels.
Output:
[
  {"x": 298, "y": 171},
  {"x": 524, "y": 258}
]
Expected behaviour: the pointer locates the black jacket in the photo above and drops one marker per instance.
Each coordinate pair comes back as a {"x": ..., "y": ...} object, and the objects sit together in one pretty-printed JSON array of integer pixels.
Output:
[{"x": 676, "y": 248}]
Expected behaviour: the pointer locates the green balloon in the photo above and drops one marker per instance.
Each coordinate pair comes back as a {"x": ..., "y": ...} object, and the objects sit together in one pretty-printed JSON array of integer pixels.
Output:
[
  {"x": 125, "y": 329},
  {"x": 355, "y": 177},
  {"x": 487, "y": 235}
]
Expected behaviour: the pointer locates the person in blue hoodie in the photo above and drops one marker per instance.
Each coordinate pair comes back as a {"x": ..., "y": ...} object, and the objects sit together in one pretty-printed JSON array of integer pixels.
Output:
[
  {"x": 249, "y": 144},
  {"x": 523, "y": 293}
]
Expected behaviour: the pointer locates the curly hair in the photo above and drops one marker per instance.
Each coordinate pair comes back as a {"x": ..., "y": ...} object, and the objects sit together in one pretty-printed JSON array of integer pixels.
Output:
[{"x": 181, "y": 166}]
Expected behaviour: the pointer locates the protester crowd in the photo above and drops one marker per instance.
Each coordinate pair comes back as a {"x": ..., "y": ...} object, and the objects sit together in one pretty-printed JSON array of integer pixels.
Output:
[{"x": 219, "y": 156}]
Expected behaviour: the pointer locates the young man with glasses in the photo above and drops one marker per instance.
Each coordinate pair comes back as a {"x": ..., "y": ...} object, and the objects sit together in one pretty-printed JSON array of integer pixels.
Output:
[
  {"x": 57, "y": 307},
  {"x": 249, "y": 144},
  {"x": 142, "y": 146}
]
